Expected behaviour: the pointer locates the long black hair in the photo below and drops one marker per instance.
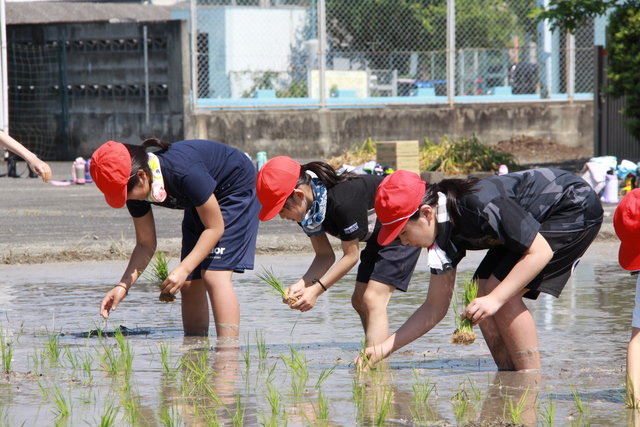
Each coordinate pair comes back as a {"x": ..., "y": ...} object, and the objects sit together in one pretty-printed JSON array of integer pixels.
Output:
[
  {"x": 325, "y": 173},
  {"x": 139, "y": 158},
  {"x": 453, "y": 188}
]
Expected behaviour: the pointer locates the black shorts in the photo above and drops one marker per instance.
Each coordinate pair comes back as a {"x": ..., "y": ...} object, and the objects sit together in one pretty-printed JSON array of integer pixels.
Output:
[
  {"x": 236, "y": 248},
  {"x": 568, "y": 248},
  {"x": 392, "y": 264}
]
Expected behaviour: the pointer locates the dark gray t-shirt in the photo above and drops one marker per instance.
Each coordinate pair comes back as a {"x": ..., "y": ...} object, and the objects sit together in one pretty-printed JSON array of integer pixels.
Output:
[{"x": 509, "y": 210}]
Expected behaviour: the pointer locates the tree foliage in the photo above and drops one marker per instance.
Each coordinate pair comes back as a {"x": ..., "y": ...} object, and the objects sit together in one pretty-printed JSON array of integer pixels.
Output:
[
  {"x": 623, "y": 46},
  {"x": 624, "y": 62},
  {"x": 570, "y": 14},
  {"x": 377, "y": 28}
]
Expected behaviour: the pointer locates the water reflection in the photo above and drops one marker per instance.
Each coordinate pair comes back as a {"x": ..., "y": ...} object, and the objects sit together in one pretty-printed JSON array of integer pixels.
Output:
[{"x": 583, "y": 336}]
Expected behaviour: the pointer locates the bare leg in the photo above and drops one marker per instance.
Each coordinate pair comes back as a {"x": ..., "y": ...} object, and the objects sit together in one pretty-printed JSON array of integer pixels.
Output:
[
  {"x": 633, "y": 370},
  {"x": 195, "y": 308},
  {"x": 224, "y": 302},
  {"x": 373, "y": 305},
  {"x": 357, "y": 304},
  {"x": 515, "y": 345},
  {"x": 492, "y": 336}
]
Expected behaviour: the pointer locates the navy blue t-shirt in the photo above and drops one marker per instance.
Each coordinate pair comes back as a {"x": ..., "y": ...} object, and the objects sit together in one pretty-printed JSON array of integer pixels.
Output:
[{"x": 195, "y": 169}]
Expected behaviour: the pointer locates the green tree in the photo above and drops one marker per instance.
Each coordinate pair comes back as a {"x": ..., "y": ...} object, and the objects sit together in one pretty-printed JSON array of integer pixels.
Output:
[
  {"x": 375, "y": 29},
  {"x": 623, "y": 45},
  {"x": 624, "y": 62}
]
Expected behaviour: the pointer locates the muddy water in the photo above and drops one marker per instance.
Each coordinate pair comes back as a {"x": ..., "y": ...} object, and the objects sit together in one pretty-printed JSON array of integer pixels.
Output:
[{"x": 271, "y": 376}]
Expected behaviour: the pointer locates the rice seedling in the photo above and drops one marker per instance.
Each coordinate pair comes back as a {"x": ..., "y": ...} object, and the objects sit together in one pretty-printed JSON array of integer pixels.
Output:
[
  {"x": 460, "y": 401},
  {"x": 549, "y": 413},
  {"x": 271, "y": 373},
  {"x": 71, "y": 357},
  {"x": 475, "y": 390},
  {"x": 87, "y": 366},
  {"x": 166, "y": 358},
  {"x": 298, "y": 366},
  {"x": 237, "y": 420},
  {"x": 422, "y": 388},
  {"x": 170, "y": 416},
  {"x": 4, "y": 416},
  {"x": 464, "y": 333},
  {"x": 324, "y": 374},
  {"x": 274, "y": 398},
  {"x": 52, "y": 347},
  {"x": 269, "y": 278},
  {"x": 577, "y": 400},
  {"x": 108, "y": 417},
  {"x": 196, "y": 375},
  {"x": 6, "y": 350},
  {"x": 630, "y": 398},
  {"x": 246, "y": 355},
  {"x": 157, "y": 272},
  {"x": 322, "y": 410},
  {"x": 383, "y": 405},
  {"x": 109, "y": 359},
  {"x": 62, "y": 409},
  {"x": 261, "y": 345},
  {"x": 130, "y": 401},
  {"x": 517, "y": 409},
  {"x": 358, "y": 389},
  {"x": 272, "y": 421}
]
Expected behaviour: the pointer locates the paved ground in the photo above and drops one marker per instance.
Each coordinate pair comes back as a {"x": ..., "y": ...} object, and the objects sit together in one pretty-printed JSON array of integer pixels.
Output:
[{"x": 42, "y": 223}]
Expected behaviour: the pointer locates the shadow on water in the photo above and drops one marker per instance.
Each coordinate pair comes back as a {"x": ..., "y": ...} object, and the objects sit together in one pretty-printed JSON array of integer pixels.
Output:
[{"x": 64, "y": 365}]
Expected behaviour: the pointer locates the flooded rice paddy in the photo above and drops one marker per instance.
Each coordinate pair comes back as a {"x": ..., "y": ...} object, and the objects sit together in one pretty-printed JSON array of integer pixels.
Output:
[{"x": 296, "y": 369}]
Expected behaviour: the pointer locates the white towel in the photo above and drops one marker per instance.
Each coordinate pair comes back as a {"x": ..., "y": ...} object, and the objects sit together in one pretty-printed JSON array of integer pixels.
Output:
[{"x": 437, "y": 257}]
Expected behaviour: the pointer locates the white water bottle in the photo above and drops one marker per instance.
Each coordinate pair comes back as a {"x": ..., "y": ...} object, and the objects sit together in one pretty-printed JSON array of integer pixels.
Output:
[{"x": 79, "y": 171}]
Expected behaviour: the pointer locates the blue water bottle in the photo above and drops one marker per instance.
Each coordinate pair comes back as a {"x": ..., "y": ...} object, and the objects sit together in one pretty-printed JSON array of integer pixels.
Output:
[{"x": 261, "y": 159}]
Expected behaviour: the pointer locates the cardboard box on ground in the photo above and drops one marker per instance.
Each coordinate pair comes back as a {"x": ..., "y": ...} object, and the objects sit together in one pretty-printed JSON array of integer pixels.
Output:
[{"x": 399, "y": 155}]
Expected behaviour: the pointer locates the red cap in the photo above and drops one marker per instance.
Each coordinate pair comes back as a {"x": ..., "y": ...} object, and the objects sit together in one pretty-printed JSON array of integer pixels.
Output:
[
  {"x": 275, "y": 182},
  {"x": 110, "y": 169},
  {"x": 626, "y": 222},
  {"x": 398, "y": 197}
]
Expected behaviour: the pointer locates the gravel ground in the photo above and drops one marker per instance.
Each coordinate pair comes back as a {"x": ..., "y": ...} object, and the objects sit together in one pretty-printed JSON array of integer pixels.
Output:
[{"x": 47, "y": 223}]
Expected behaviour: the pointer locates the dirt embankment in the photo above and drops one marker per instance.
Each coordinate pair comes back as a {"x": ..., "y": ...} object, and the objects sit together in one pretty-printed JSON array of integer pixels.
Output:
[{"x": 536, "y": 152}]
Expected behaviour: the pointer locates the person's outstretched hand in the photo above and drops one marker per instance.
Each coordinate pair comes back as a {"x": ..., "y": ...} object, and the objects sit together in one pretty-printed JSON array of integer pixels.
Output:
[
  {"x": 111, "y": 300},
  {"x": 41, "y": 168}
]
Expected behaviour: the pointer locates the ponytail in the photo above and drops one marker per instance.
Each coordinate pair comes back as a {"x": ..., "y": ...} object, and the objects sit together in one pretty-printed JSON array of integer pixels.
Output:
[
  {"x": 139, "y": 158},
  {"x": 325, "y": 173}
]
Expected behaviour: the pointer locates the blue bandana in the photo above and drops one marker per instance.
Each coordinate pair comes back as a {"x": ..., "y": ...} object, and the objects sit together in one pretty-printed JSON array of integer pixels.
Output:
[{"x": 312, "y": 222}]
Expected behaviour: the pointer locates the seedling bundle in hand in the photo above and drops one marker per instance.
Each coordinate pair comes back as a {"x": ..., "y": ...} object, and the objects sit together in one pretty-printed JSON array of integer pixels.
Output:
[
  {"x": 276, "y": 285},
  {"x": 157, "y": 272},
  {"x": 464, "y": 334}
]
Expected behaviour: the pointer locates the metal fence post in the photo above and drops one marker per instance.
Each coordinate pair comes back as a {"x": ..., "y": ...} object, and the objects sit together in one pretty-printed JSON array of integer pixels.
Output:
[
  {"x": 145, "y": 48},
  {"x": 322, "y": 51},
  {"x": 4, "y": 82},
  {"x": 193, "y": 17},
  {"x": 451, "y": 50},
  {"x": 571, "y": 66}
]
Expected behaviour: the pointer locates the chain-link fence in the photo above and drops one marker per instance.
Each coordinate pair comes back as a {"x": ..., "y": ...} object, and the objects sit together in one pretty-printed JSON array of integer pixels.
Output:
[{"x": 282, "y": 52}]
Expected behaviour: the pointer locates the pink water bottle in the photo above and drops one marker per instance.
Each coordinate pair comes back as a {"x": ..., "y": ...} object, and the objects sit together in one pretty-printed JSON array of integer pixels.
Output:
[{"x": 79, "y": 171}]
